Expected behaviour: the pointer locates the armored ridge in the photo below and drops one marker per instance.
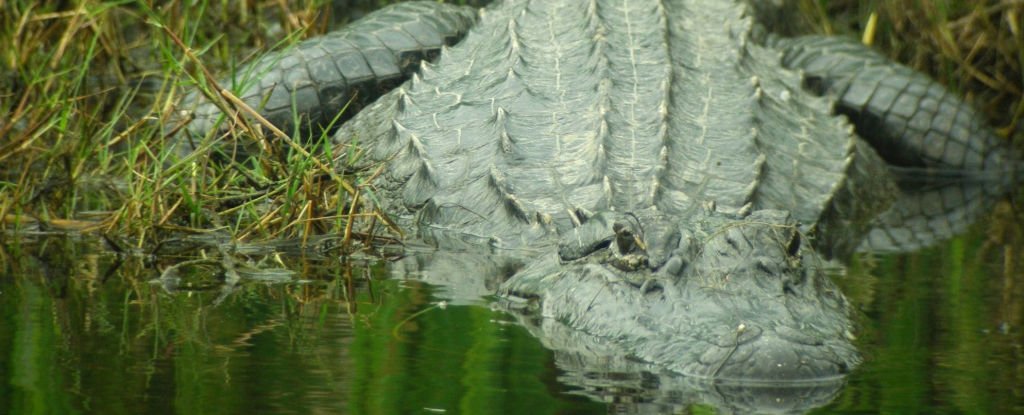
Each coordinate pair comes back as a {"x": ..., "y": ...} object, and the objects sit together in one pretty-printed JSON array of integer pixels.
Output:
[
  {"x": 667, "y": 182},
  {"x": 606, "y": 107}
]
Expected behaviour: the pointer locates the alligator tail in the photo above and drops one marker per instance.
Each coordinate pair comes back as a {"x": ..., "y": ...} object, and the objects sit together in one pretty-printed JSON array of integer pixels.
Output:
[
  {"x": 310, "y": 88},
  {"x": 912, "y": 120}
]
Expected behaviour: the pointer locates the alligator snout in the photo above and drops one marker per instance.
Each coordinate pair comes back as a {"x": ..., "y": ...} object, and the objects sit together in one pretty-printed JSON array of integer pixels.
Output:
[
  {"x": 753, "y": 354},
  {"x": 721, "y": 297}
]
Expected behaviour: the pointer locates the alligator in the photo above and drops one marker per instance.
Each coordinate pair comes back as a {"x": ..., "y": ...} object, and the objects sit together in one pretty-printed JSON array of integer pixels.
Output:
[{"x": 667, "y": 179}]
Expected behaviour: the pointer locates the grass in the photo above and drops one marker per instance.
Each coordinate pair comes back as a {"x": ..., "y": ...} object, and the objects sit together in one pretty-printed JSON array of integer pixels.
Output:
[{"x": 90, "y": 87}]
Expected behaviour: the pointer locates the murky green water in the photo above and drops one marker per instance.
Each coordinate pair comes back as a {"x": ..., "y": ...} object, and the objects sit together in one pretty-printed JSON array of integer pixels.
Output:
[
  {"x": 83, "y": 334},
  {"x": 82, "y": 331}
]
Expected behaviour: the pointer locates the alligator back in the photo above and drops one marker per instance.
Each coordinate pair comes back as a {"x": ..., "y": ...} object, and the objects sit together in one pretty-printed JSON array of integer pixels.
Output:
[{"x": 547, "y": 108}]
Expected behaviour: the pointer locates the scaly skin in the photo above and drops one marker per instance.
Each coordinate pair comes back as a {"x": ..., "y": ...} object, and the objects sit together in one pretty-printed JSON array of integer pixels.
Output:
[
  {"x": 331, "y": 77},
  {"x": 652, "y": 175},
  {"x": 910, "y": 119}
]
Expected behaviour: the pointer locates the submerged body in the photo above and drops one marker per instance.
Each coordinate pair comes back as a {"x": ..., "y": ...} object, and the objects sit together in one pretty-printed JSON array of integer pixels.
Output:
[{"x": 678, "y": 180}]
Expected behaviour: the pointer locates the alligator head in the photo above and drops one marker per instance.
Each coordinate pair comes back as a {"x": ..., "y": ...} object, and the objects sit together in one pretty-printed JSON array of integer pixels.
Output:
[{"x": 716, "y": 296}]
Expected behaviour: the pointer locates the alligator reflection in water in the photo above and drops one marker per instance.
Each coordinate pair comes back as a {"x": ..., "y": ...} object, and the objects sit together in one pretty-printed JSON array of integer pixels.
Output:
[{"x": 931, "y": 210}]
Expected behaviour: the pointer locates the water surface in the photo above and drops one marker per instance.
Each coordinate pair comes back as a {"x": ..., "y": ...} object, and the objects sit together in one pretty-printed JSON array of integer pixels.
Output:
[{"x": 83, "y": 330}]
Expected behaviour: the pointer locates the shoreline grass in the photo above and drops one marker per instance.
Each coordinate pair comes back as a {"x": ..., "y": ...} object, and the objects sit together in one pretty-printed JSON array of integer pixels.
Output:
[{"x": 90, "y": 88}]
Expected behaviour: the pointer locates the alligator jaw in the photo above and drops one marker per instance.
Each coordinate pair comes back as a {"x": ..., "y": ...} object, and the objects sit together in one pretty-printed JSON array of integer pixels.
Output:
[{"x": 768, "y": 360}]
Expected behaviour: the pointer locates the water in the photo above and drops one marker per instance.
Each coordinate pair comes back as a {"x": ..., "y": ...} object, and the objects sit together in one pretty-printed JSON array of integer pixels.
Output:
[
  {"x": 81, "y": 334},
  {"x": 84, "y": 331}
]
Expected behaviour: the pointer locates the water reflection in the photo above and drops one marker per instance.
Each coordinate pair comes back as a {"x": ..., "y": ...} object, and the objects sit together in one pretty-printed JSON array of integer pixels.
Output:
[
  {"x": 631, "y": 386},
  {"x": 932, "y": 209},
  {"x": 343, "y": 340}
]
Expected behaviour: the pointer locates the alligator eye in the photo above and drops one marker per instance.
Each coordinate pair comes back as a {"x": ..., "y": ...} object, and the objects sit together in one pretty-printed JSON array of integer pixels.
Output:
[
  {"x": 793, "y": 247},
  {"x": 625, "y": 239}
]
